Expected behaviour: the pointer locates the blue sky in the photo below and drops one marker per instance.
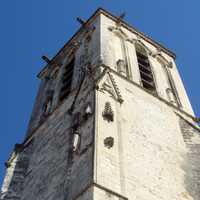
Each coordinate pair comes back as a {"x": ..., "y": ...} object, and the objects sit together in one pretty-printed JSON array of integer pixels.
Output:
[{"x": 33, "y": 28}]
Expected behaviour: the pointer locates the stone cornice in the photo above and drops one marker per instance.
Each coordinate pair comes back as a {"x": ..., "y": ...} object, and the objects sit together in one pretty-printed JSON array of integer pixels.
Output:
[{"x": 138, "y": 33}]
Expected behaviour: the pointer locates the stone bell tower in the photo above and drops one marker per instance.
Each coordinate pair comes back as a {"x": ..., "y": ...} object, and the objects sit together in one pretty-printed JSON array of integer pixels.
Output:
[{"x": 112, "y": 120}]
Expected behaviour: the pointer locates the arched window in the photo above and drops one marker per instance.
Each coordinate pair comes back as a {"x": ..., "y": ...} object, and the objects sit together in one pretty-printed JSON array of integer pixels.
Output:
[{"x": 146, "y": 74}]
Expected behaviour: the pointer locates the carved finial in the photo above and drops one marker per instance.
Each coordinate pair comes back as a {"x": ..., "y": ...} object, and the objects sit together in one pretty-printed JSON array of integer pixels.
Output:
[
  {"x": 156, "y": 53},
  {"x": 108, "y": 113}
]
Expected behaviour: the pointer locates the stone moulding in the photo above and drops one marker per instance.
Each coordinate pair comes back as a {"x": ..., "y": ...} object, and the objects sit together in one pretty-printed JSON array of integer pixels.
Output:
[
  {"x": 116, "y": 88},
  {"x": 155, "y": 95},
  {"x": 108, "y": 114},
  {"x": 107, "y": 83}
]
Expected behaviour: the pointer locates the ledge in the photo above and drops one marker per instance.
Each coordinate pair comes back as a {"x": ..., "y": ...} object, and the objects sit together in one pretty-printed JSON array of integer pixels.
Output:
[{"x": 154, "y": 95}]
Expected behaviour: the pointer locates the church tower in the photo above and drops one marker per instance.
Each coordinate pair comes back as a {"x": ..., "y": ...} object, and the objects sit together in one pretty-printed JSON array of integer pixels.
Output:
[{"x": 111, "y": 120}]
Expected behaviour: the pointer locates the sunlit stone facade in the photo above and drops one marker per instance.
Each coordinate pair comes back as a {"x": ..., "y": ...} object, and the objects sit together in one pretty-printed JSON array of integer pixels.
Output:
[{"x": 111, "y": 120}]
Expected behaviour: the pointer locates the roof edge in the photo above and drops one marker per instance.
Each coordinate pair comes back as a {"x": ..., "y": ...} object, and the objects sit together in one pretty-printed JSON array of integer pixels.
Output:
[
  {"x": 123, "y": 23},
  {"x": 89, "y": 20},
  {"x": 141, "y": 34}
]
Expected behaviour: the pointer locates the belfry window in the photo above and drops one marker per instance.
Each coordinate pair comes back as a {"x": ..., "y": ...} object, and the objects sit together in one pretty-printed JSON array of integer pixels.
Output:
[
  {"x": 146, "y": 74},
  {"x": 66, "y": 81}
]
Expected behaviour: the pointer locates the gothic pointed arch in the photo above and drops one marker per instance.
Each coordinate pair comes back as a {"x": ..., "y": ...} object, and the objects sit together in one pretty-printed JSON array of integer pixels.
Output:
[
  {"x": 140, "y": 48},
  {"x": 145, "y": 68},
  {"x": 142, "y": 45}
]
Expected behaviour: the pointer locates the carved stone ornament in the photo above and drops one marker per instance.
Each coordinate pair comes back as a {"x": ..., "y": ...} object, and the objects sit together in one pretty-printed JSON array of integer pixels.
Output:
[
  {"x": 108, "y": 114},
  {"x": 109, "y": 85},
  {"x": 109, "y": 142},
  {"x": 118, "y": 31},
  {"x": 121, "y": 67},
  {"x": 106, "y": 86},
  {"x": 119, "y": 96},
  {"x": 87, "y": 111},
  {"x": 161, "y": 59},
  {"x": 76, "y": 141}
]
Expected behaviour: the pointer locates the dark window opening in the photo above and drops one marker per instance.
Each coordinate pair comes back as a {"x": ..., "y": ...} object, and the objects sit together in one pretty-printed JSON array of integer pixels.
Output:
[
  {"x": 67, "y": 80},
  {"x": 145, "y": 69}
]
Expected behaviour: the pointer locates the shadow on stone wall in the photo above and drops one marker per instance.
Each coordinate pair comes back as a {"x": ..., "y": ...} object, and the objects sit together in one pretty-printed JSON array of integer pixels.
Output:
[{"x": 191, "y": 165}]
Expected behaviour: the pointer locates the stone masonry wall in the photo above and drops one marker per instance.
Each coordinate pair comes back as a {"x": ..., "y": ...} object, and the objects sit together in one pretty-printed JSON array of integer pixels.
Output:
[
  {"x": 191, "y": 165},
  {"x": 111, "y": 53},
  {"x": 55, "y": 170},
  {"x": 17, "y": 167},
  {"x": 149, "y": 158},
  {"x": 129, "y": 145}
]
